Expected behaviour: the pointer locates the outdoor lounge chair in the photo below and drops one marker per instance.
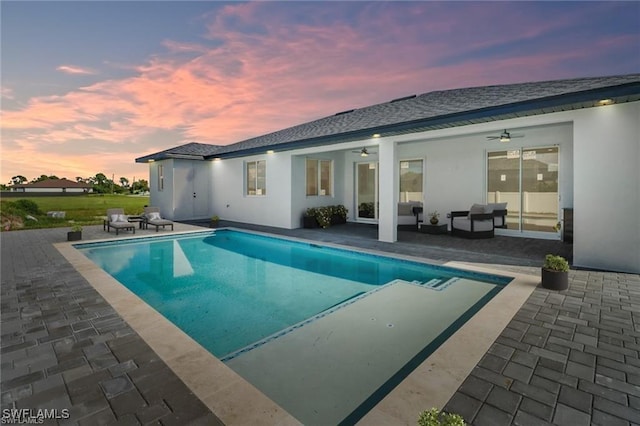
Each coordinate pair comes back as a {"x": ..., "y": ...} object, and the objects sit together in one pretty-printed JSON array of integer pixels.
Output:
[
  {"x": 152, "y": 217},
  {"x": 117, "y": 220},
  {"x": 477, "y": 222},
  {"x": 499, "y": 214}
]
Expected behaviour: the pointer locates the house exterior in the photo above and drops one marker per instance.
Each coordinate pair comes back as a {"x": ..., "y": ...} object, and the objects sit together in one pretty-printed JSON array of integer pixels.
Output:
[
  {"x": 572, "y": 151},
  {"x": 53, "y": 186}
]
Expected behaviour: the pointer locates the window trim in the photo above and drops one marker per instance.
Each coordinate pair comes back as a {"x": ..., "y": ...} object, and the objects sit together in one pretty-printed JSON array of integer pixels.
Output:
[
  {"x": 424, "y": 163},
  {"x": 263, "y": 190}
]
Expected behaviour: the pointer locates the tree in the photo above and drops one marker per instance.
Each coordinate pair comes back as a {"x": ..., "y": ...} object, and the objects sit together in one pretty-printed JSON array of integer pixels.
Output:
[
  {"x": 140, "y": 185},
  {"x": 17, "y": 180},
  {"x": 124, "y": 182}
]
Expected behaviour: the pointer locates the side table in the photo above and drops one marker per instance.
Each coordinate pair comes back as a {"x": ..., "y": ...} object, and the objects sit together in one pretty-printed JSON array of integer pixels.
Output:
[{"x": 427, "y": 228}]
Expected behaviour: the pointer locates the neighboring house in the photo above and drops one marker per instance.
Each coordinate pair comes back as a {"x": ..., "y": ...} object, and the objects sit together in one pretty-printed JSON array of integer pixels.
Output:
[
  {"x": 579, "y": 149},
  {"x": 54, "y": 186}
]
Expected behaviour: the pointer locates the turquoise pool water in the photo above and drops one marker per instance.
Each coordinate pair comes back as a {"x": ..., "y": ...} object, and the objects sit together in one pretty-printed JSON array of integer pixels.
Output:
[{"x": 229, "y": 289}]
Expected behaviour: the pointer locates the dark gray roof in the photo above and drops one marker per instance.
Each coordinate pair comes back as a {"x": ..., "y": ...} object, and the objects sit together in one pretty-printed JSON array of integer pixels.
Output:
[
  {"x": 445, "y": 108},
  {"x": 191, "y": 151}
]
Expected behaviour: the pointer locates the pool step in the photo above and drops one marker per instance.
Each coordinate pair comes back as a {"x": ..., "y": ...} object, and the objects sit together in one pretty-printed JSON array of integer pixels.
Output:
[{"x": 436, "y": 283}]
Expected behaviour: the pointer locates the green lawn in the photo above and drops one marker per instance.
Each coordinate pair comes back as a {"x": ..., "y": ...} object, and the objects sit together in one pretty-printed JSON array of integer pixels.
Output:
[{"x": 83, "y": 210}]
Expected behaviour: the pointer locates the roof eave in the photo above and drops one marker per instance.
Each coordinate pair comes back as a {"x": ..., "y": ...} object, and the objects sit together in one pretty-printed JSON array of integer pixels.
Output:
[{"x": 165, "y": 156}]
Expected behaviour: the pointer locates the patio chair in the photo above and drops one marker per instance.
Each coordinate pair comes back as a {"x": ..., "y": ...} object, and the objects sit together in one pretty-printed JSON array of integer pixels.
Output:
[
  {"x": 477, "y": 222},
  {"x": 117, "y": 220},
  {"x": 499, "y": 214},
  {"x": 152, "y": 217}
]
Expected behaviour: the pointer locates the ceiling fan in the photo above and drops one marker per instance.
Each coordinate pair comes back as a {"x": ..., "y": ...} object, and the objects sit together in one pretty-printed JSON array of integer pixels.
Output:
[
  {"x": 363, "y": 152},
  {"x": 504, "y": 136}
]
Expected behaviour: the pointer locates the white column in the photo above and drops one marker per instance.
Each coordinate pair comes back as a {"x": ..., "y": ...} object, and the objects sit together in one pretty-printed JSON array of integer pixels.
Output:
[{"x": 388, "y": 190}]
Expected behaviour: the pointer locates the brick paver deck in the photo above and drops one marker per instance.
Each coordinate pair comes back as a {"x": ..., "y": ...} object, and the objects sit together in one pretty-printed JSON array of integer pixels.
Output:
[{"x": 566, "y": 358}]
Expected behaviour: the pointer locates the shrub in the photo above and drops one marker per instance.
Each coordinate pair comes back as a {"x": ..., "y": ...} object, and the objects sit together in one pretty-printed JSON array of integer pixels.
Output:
[
  {"x": 435, "y": 417},
  {"x": 27, "y": 206},
  {"x": 339, "y": 210},
  {"x": 555, "y": 263}
]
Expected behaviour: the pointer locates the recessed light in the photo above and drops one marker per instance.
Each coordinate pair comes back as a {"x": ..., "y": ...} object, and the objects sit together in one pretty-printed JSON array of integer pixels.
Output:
[
  {"x": 376, "y": 135},
  {"x": 270, "y": 151},
  {"x": 605, "y": 102}
]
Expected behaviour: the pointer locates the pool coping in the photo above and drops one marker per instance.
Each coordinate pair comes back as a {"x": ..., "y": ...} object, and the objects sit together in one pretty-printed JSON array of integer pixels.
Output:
[{"x": 236, "y": 401}]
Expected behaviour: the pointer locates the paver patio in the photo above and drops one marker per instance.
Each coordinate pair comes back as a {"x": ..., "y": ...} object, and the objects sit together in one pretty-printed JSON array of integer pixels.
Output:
[{"x": 567, "y": 357}]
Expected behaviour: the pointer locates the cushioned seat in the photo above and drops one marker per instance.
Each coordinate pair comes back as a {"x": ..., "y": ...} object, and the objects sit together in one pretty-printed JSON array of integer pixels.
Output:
[
  {"x": 117, "y": 220},
  {"x": 152, "y": 217},
  {"x": 477, "y": 222}
]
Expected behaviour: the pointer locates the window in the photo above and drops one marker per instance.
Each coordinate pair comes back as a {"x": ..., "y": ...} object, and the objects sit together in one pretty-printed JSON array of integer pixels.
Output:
[
  {"x": 319, "y": 177},
  {"x": 160, "y": 177},
  {"x": 256, "y": 177},
  {"x": 411, "y": 180}
]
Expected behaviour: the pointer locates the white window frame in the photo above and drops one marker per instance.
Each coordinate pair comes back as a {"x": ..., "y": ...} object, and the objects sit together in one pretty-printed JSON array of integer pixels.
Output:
[
  {"x": 160, "y": 177},
  {"x": 319, "y": 189},
  {"x": 260, "y": 191}
]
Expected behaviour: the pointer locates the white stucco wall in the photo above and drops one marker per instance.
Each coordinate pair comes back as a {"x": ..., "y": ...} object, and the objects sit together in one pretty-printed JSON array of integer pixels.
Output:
[
  {"x": 607, "y": 188},
  {"x": 163, "y": 199},
  {"x": 229, "y": 200},
  {"x": 300, "y": 202}
]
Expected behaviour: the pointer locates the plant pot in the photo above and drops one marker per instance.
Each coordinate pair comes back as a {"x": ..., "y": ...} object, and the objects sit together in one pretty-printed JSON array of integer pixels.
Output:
[
  {"x": 214, "y": 224},
  {"x": 74, "y": 235},
  {"x": 309, "y": 222},
  {"x": 555, "y": 280},
  {"x": 434, "y": 220},
  {"x": 337, "y": 219}
]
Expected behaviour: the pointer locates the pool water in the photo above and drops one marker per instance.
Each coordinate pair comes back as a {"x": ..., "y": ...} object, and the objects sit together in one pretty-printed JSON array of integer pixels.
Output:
[{"x": 249, "y": 298}]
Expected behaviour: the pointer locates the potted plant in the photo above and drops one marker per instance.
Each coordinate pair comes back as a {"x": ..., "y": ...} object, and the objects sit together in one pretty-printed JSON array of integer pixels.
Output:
[
  {"x": 435, "y": 417},
  {"x": 433, "y": 217},
  {"x": 309, "y": 218},
  {"x": 215, "y": 220},
  {"x": 555, "y": 273},
  {"x": 75, "y": 234},
  {"x": 338, "y": 214}
]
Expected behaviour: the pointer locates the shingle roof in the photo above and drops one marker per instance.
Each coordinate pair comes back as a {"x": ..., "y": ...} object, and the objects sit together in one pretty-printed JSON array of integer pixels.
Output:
[
  {"x": 191, "y": 150},
  {"x": 54, "y": 183},
  {"x": 445, "y": 108}
]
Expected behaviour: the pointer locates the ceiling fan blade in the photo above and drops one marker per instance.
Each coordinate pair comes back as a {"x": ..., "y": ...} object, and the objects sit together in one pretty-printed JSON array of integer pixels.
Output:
[{"x": 493, "y": 137}]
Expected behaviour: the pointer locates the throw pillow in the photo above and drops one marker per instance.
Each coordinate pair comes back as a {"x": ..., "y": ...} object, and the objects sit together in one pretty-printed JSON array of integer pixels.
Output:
[
  {"x": 477, "y": 209},
  {"x": 154, "y": 216}
]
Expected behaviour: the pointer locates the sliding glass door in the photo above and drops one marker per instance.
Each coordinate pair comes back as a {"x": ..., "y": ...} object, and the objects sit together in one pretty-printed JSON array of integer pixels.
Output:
[{"x": 527, "y": 180}]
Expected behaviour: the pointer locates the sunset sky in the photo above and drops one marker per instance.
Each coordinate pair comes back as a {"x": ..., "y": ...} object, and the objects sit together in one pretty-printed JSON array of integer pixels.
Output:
[{"x": 89, "y": 86}]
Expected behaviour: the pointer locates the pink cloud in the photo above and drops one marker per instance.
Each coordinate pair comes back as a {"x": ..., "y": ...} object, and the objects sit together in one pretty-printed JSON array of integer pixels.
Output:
[
  {"x": 6, "y": 92},
  {"x": 72, "y": 69}
]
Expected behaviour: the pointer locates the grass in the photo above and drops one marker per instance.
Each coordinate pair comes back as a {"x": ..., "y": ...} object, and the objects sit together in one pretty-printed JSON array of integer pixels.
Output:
[{"x": 82, "y": 210}]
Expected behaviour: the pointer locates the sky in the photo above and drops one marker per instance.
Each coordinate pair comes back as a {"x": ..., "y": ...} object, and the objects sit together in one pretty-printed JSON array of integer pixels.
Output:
[{"x": 87, "y": 86}]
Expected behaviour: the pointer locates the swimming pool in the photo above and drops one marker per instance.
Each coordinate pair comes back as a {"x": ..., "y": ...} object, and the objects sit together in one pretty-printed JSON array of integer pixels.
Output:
[{"x": 251, "y": 299}]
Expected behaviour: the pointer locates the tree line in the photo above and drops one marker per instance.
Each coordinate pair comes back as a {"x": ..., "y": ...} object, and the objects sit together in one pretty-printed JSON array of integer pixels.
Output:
[{"x": 100, "y": 183}]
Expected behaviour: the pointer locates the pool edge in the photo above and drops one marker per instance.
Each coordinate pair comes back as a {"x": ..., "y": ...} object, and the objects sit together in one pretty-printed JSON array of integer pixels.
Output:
[{"x": 236, "y": 401}]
